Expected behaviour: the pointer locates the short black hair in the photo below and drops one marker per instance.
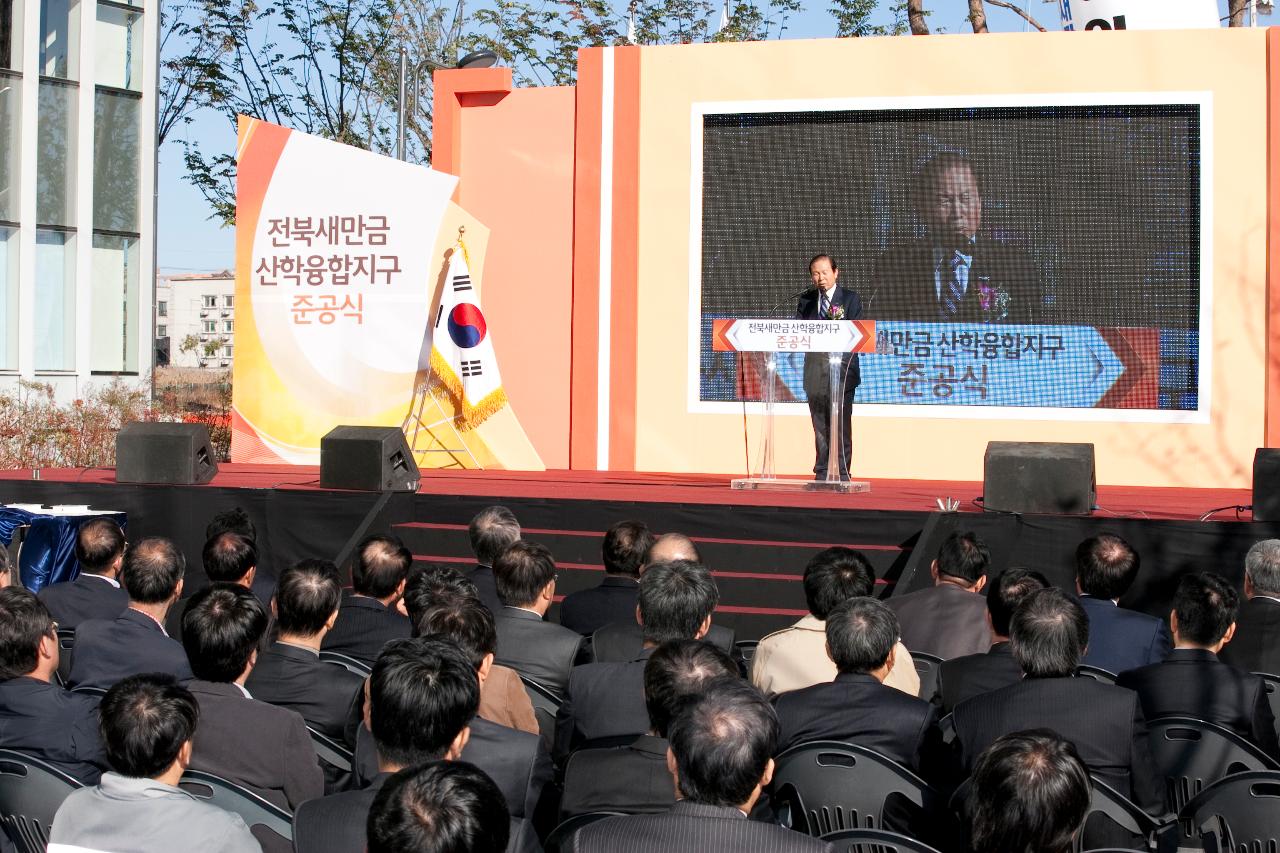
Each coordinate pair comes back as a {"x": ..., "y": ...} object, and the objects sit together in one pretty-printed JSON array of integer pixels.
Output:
[
  {"x": 722, "y": 740},
  {"x": 963, "y": 556},
  {"x": 438, "y": 807},
  {"x": 1030, "y": 791},
  {"x": 229, "y": 556},
  {"x": 221, "y": 627},
  {"x": 1206, "y": 606},
  {"x": 625, "y": 545},
  {"x": 381, "y": 563},
  {"x": 422, "y": 693},
  {"x": 24, "y": 622},
  {"x": 861, "y": 632},
  {"x": 1007, "y": 592},
  {"x": 941, "y": 163},
  {"x": 675, "y": 599},
  {"x": 465, "y": 622},
  {"x": 151, "y": 570},
  {"x": 522, "y": 571},
  {"x": 835, "y": 575},
  {"x": 234, "y": 520},
  {"x": 306, "y": 595},
  {"x": 434, "y": 584},
  {"x": 98, "y": 542},
  {"x": 820, "y": 256},
  {"x": 1049, "y": 633},
  {"x": 144, "y": 720},
  {"x": 492, "y": 531},
  {"x": 1106, "y": 566},
  {"x": 677, "y": 670}
]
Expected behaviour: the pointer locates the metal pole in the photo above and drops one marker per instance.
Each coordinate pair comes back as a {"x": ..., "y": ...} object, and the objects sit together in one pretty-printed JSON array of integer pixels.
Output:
[
  {"x": 402, "y": 112},
  {"x": 1253, "y": 13}
]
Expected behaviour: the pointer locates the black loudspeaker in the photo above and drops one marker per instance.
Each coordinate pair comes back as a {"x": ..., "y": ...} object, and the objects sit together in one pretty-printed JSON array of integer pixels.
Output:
[
  {"x": 367, "y": 459},
  {"x": 1038, "y": 477},
  {"x": 1266, "y": 484},
  {"x": 176, "y": 454}
]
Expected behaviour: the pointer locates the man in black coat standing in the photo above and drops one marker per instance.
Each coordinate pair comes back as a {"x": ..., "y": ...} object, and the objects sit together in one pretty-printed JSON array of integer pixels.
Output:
[{"x": 829, "y": 301}]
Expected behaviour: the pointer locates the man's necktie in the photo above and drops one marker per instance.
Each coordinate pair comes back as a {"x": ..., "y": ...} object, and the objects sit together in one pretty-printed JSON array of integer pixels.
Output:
[
  {"x": 824, "y": 307},
  {"x": 952, "y": 287}
]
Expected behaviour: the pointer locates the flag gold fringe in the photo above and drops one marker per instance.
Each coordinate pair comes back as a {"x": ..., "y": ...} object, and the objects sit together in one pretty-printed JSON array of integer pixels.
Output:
[{"x": 469, "y": 417}]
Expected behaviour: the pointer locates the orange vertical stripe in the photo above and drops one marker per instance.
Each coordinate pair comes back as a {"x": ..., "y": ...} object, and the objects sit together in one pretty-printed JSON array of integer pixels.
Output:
[
  {"x": 1272, "y": 431},
  {"x": 584, "y": 359},
  {"x": 626, "y": 259}
]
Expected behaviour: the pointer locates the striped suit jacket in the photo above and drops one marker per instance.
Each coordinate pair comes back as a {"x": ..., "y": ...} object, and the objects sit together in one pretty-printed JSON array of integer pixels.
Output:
[{"x": 692, "y": 826}]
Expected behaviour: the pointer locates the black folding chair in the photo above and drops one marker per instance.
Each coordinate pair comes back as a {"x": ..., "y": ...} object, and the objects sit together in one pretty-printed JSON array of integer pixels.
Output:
[
  {"x": 874, "y": 841},
  {"x": 358, "y": 667},
  {"x": 262, "y": 817},
  {"x": 1097, "y": 673},
  {"x": 90, "y": 689},
  {"x": 1159, "y": 835},
  {"x": 335, "y": 761},
  {"x": 66, "y": 647},
  {"x": 927, "y": 668},
  {"x": 545, "y": 706},
  {"x": 560, "y": 836},
  {"x": 746, "y": 650},
  {"x": 1272, "y": 685},
  {"x": 1240, "y": 812},
  {"x": 30, "y": 793}
]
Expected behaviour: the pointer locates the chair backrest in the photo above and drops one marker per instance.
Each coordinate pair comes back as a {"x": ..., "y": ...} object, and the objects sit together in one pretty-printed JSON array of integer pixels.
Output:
[
  {"x": 746, "y": 650},
  {"x": 90, "y": 689},
  {"x": 1159, "y": 834},
  {"x": 560, "y": 836},
  {"x": 254, "y": 810},
  {"x": 1097, "y": 673},
  {"x": 546, "y": 704},
  {"x": 1193, "y": 754},
  {"x": 30, "y": 793},
  {"x": 66, "y": 647},
  {"x": 927, "y": 668},
  {"x": 874, "y": 841},
  {"x": 330, "y": 751},
  {"x": 358, "y": 667},
  {"x": 1240, "y": 812},
  {"x": 828, "y": 786},
  {"x": 1272, "y": 685}
]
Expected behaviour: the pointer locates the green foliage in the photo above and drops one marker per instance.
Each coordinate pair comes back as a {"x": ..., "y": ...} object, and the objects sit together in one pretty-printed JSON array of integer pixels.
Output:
[{"x": 853, "y": 18}]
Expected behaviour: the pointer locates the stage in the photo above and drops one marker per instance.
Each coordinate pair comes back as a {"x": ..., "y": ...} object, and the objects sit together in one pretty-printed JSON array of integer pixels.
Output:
[{"x": 756, "y": 542}]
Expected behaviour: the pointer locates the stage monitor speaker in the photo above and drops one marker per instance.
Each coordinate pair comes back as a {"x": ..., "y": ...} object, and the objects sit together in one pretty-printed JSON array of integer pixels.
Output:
[
  {"x": 367, "y": 459},
  {"x": 1038, "y": 477},
  {"x": 1266, "y": 484},
  {"x": 175, "y": 454}
]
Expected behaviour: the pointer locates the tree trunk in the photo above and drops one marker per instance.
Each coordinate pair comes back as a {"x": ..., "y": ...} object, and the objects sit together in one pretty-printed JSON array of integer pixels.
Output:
[
  {"x": 1236, "y": 10},
  {"x": 978, "y": 16},
  {"x": 915, "y": 17}
]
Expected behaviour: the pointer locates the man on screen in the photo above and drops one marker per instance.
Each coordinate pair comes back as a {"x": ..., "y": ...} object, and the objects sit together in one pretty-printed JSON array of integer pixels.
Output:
[
  {"x": 828, "y": 301},
  {"x": 954, "y": 273}
]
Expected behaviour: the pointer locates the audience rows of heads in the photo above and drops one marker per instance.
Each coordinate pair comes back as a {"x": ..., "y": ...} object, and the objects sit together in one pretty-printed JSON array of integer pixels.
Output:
[{"x": 436, "y": 681}]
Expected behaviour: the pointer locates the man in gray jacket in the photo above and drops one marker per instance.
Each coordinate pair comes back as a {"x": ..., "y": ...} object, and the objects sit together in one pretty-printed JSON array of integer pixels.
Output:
[{"x": 148, "y": 722}]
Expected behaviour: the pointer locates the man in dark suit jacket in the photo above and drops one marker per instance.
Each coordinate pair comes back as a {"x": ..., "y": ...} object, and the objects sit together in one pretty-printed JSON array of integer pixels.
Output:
[
  {"x": 606, "y": 700},
  {"x": 135, "y": 641},
  {"x": 949, "y": 619},
  {"x": 973, "y": 675},
  {"x": 633, "y": 778},
  {"x": 858, "y": 707},
  {"x": 289, "y": 673},
  {"x": 38, "y": 717},
  {"x": 1192, "y": 682},
  {"x": 625, "y": 544},
  {"x": 95, "y": 593},
  {"x": 228, "y": 556},
  {"x": 1049, "y": 634},
  {"x": 1256, "y": 646},
  {"x": 492, "y": 531},
  {"x": 539, "y": 650},
  {"x": 1119, "y": 639},
  {"x": 721, "y": 751},
  {"x": 829, "y": 301},
  {"x": 258, "y": 746},
  {"x": 954, "y": 274},
  {"x": 368, "y": 618}
]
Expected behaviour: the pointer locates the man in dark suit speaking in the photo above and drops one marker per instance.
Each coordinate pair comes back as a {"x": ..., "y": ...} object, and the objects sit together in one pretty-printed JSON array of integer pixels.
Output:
[
  {"x": 829, "y": 301},
  {"x": 954, "y": 273}
]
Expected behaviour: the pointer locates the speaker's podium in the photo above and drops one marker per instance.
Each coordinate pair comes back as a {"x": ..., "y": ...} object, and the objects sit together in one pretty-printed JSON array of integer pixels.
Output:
[{"x": 760, "y": 342}]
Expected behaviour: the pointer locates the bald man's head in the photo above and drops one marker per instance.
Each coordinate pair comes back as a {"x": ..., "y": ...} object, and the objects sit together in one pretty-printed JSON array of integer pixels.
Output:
[{"x": 670, "y": 547}]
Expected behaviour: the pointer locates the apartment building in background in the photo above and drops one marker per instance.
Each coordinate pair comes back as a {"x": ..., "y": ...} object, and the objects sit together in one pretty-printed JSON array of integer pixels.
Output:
[{"x": 195, "y": 318}]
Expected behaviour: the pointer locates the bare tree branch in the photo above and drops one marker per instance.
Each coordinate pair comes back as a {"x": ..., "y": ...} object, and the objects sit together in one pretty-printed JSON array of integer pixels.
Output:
[
  {"x": 1018, "y": 9},
  {"x": 1235, "y": 12},
  {"x": 915, "y": 17},
  {"x": 978, "y": 16}
]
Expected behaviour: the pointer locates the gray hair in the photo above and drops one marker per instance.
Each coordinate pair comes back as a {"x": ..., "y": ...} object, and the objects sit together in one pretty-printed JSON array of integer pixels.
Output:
[
  {"x": 1262, "y": 566},
  {"x": 492, "y": 531}
]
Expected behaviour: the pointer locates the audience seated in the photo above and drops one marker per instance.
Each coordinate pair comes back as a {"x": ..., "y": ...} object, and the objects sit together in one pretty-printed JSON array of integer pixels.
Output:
[
  {"x": 439, "y": 807},
  {"x": 1049, "y": 633},
  {"x": 797, "y": 657},
  {"x": 973, "y": 675},
  {"x": 634, "y": 779},
  {"x": 948, "y": 619},
  {"x": 722, "y": 743},
  {"x": 857, "y": 707},
  {"x": 234, "y": 520},
  {"x": 135, "y": 641},
  {"x": 1256, "y": 646},
  {"x": 1192, "y": 682},
  {"x": 1030, "y": 792},
  {"x": 95, "y": 593},
  {"x": 539, "y": 650},
  {"x": 625, "y": 544},
  {"x": 289, "y": 672},
  {"x": 606, "y": 700},
  {"x": 493, "y": 530},
  {"x": 368, "y": 618},
  {"x": 227, "y": 557},
  {"x": 38, "y": 717},
  {"x": 1119, "y": 638},
  {"x": 258, "y": 746},
  {"x": 148, "y": 723}
]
